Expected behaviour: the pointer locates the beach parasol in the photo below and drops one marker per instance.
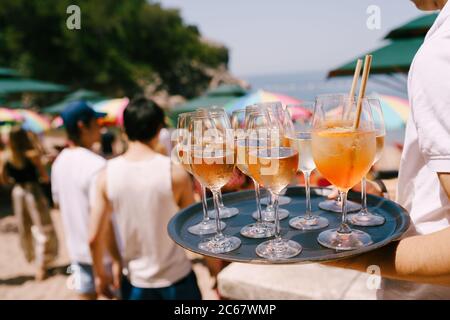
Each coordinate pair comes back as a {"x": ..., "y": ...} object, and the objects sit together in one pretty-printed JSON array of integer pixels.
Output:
[
  {"x": 395, "y": 110},
  {"x": 261, "y": 96},
  {"x": 80, "y": 94},
  {"x": 19, "y": 85},
  {"x": 218, "y": 96},
  {"x": 10, "y": 116},
  {"x": 57, "y": 122},
  {"x": 34, "y": 121},
  {"x": 297, "y": 112},
  {"x": 113, "y": 109}
]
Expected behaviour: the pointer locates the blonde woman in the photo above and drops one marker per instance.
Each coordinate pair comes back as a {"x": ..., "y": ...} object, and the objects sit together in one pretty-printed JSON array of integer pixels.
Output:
[{"x": 22, "y": 167}]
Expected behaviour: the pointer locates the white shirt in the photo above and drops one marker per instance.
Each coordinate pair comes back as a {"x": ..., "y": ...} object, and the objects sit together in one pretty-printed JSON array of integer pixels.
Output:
[
  {"x": 142, "y": 200},
  {"x": 426, "y": 150},
  {"x": 73, "y": 181}
]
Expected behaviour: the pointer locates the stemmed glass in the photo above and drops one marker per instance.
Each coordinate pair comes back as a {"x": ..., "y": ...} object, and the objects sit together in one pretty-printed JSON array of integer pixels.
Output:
[
  {"x": 298, "y": 134},
  {"x": 365, "y": 217},
  {"x": 225, "y": 212},
  {"x": 239, "y": 121},
  {"x": 276, "y": 108},
  {"x": 183, "y": 150},
  {"x": 213, "y": 164},
  {"x": 335, "y": 103},
  {"x": 272, "y": 166},
  {"x": 343, "y": 155},
  {"x": 276, "y": 112}
]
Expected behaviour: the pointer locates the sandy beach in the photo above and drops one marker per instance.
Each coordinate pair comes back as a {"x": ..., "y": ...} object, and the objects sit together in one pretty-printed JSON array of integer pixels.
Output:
[{"x": 17, "y": 276}]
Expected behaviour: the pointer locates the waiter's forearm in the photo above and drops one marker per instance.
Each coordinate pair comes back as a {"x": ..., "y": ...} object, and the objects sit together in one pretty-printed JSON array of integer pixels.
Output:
[
  {"x": 425, "y": 255},
  {"x": 423, "y": 259}
]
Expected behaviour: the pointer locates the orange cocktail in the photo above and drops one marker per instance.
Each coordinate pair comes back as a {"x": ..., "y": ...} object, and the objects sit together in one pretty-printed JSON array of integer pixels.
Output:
[{"x": 343, "y": 156}]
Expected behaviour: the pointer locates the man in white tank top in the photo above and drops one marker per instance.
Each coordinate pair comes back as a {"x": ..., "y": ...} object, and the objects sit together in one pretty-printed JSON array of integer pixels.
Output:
[
  {"x": 418, "y": 266},
  {"x": 142, "y": 190}
]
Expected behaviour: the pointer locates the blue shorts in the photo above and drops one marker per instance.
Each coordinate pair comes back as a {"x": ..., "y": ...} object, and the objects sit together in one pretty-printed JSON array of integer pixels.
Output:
[
  {"x": 82, "y": 278},
  {"x": 185, "y": 289}
]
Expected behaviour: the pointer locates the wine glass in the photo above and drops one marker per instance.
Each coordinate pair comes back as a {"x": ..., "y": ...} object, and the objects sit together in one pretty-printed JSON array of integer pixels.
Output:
[
  {"x": 272, "y": 166},
  {"x": 182, "y": 156},
  {"x": 239, "y": 121},
  {"x": 335, "y": 103},
  {"x": 213, "y": 164},
  {"x": 225, "y": 212},
  {"x": 343, "y": 155},
  {"x": 276, "y": 111},
  {"x": 364, "y": 217},
  {"x": 298, "y": 134}
]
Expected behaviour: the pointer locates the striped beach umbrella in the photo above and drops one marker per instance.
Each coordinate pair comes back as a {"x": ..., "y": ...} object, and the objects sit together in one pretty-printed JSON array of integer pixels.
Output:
[
  {"x": 10, "y": 116},
  {"x": 57, "y": 123},
  {"x": 113, "y": 109},
  {"x": 261, "y": 96},
  {"x": 34, "y": 121},
  {"x": 395, "y": 110}
]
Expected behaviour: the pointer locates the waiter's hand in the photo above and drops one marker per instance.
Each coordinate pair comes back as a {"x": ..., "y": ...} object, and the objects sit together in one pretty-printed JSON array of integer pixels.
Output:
[{"x": 371, "y": 188}]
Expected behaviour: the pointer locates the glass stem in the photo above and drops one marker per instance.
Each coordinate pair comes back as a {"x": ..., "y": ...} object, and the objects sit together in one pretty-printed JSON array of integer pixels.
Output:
[
  {"x": 274, "y": 197},
  {"x": 219, "y": 234},
  {"x": 307, "y": 175},
  {"x": 269, "y": 207},
  {"x": 363, "y": 211},
  {"x": 258, "y": 202},
  {"x": 204, "y": 205},
  {"x": 344, "y": 228},
  {"x": 221, "y": 205}
]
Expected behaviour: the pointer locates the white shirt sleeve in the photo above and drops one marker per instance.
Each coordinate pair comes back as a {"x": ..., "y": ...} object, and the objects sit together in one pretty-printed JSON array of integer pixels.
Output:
[{"x": 430, "y": 101}]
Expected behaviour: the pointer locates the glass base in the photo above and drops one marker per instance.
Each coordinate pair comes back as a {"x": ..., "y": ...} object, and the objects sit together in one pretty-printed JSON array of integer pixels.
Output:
[
  {"x": 270, "y": 217},
  {"x": 220, "y": 244},
  {"x": 313, "y": 223},
  {"x": 224, "y": 213},
  {"x": 206, "y": 227},
  {"x": 366, "y": 220},
  {"x": 282, "y": 200},
  {"x": 334, "y": 206},
  {"x": 344, "y": 241},
  {"x": 278, "y": 249},
  {"x": 258, "y": 230}
]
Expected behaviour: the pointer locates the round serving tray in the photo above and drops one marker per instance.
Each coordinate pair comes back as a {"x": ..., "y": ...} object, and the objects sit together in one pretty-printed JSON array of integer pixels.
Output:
[{"x": 397, "y": 222}]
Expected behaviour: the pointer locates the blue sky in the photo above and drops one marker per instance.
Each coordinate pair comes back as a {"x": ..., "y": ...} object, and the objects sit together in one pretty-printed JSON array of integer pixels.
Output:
[{"x": 287, "y": 36}]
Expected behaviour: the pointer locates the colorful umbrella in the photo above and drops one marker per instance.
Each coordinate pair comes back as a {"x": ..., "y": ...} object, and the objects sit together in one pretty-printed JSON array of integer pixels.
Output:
[
  {"x": 113, "y": 109},
  {"x": 57, "y": 122},
  {"x": 298, "y": 112},
  {"x": 260, "y": 96},
  {"x": 395, "y": 110},
  {"x": 34, "y": 121},
  {"x": 10, "y": 116}
]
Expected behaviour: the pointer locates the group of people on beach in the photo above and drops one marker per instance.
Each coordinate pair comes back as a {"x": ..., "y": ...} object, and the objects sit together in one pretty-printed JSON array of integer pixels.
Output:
[{"x": 113, "y": 212}]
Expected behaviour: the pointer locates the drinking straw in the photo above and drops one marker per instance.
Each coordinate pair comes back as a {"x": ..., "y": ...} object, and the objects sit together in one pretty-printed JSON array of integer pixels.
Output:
[
  {"x": 355, "y": 79},
  {"x": 362, "y": 89}
]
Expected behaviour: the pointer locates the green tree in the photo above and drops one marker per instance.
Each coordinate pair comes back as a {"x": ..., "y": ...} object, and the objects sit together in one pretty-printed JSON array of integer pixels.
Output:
[{"x": 121, "y": 46}]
